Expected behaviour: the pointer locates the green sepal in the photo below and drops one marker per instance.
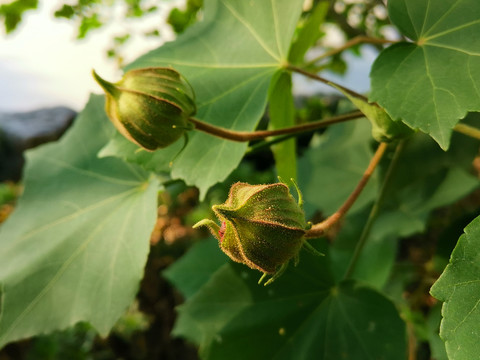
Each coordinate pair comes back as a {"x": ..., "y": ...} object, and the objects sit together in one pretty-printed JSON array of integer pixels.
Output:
[
  {"x": 151, "y": 106},
  {"x": 384, "y": 128},
  {"x": 263, "y": 226}
]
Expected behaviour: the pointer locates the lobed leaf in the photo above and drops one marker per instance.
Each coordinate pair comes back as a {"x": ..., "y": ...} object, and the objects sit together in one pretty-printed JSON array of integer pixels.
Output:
[
  {"x": 459, "y": 288},
  {"x": 190, "y": 272},
  {"x": 158, "y": 162},
  {"x": 229, "y": 59},
  {"x": 303, "y": 315},
  {"x": 432, "y": 82},
  {"x": 75, "y": 247}
]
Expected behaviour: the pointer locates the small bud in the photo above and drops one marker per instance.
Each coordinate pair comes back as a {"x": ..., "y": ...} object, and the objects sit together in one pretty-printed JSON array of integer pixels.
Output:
[
  {"x": 151, "y": 107},
  {"x": 384, "y": 128},
  {"x": 262, "y": 226}
]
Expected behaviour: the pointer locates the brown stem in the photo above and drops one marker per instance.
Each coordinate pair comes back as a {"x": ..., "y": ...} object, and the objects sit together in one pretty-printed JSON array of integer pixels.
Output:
[
  {"x": 319, "y": 229},
  {"x": 243, "y": 136},
  {"x": 412, "y": 341},
  {"x": 325, "y": 81},
  {"x": 360, "y": 39},
  {"x": 468, "y": 130}
]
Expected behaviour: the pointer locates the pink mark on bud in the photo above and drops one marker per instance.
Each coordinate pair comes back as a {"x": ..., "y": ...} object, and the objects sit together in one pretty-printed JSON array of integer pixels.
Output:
[{"x": 221, "y": 232}]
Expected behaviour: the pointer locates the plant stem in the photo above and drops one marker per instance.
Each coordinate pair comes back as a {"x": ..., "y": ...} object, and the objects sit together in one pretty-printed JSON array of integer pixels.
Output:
[
  {"x": 325, "y": 81},
  {"x": 361, "y": 39},
  {"x": 319, "y": 229},
  {"x": 272, "y": 141},
  {"x": 468, "y": 130},
  {"x": 267, "y": 143},
  {"x": 243, "y": 136},
  {"x": 373, "y": 212}
]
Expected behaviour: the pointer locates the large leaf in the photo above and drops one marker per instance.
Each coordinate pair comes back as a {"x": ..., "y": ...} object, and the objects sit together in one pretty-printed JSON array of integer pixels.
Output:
[
  {"x": 432, "y": 82},
  {"x": 158, "y": 162},
  {"x": 195, "y": 268},
  {"x": 75, "y": 247},
  {"x": 459, "y": 289},
  {"x": 229, "y": 58},
  {"x": 302, "y": 315},
  {"x": 437, "y": 346}
]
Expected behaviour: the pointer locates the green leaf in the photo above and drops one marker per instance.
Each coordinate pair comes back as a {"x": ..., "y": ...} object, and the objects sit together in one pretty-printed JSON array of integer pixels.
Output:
[
  {"x": 229, "y": 59},
  {"x": 159, "y": 161},
  {"x": 300, "y": 316},
  {"x": 194, "y": 269},
  {"x": 76, "y": 245},
  {"x": 282, "y": 115},
  {"x": 66, "y": 11},
  {"x": 437, "y": 346},
  {"x": 1, "y": 301},
  {"x": 334, "y": 164},
  {"x": 13, "y": 12},
  {"x": 87, "y": 24},
  {"x": 309, "y": 33},
  {"x": 8, "y": 193},
  {"x": 459, "y": 288},
  {"x": 431, "y": 83}
]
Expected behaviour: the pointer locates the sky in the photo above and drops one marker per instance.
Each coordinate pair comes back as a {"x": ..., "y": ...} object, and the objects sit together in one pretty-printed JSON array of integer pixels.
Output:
[{"x": 43, "y": 65}]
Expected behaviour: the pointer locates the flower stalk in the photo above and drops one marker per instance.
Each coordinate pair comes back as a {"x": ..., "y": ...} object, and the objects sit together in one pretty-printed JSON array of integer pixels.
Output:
[{"x": 243, "y": 136}]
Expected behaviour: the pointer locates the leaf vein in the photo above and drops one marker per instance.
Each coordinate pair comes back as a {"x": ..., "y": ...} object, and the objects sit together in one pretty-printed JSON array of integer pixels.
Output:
[
  {"x": 460, "y": 27},
  {"x": 251, "y": 30},
  {"x": 232, "y": 89},
  {"x": 57, "y": 276},
  {"x": 277, "y": 29},
  {"x": 77, "y": 214},
  {"x": 65, "y": 165},
  {"x": 434, "y": 97}
]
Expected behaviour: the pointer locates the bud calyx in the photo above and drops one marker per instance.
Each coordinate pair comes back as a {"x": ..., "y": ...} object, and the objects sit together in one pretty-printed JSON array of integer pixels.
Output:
[
  {"x": 151, "y": 107},
  {"x": 262, "y": 226}
]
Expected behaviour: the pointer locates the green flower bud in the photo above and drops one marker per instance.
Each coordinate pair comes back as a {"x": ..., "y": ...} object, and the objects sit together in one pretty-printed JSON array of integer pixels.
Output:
[
  {"x": 262, "y": 227},
  {"x": 384, "y": 128},
  {"x": 151, "y": 107}
]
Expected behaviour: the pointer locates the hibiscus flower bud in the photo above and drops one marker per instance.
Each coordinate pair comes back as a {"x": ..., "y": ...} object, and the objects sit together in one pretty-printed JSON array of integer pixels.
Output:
[
  {"x": 262, "y": 226},
  {"x": 151, "y": 107}
]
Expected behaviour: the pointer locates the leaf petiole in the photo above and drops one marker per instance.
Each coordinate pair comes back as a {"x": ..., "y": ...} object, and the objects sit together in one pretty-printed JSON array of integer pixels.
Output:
[{"x": 468, "y": 130}]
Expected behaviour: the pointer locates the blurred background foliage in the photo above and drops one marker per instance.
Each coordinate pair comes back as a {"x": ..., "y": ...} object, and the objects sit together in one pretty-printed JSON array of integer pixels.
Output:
[
  {"x": 144, "y": 332},
  {"x": 346, "y": 19}
]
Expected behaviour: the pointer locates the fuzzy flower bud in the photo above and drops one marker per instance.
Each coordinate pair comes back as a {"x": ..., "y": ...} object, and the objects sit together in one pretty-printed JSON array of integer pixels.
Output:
[
  {"x": 151, "y": 107},
  {"x": 262, "y": 226}
]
